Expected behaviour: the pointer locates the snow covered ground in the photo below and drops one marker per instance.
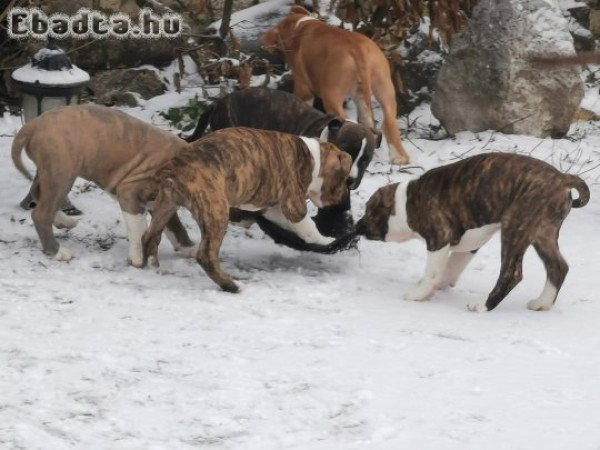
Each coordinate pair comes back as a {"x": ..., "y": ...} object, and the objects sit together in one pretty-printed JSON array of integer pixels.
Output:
[{"x": 318, "y": 352}]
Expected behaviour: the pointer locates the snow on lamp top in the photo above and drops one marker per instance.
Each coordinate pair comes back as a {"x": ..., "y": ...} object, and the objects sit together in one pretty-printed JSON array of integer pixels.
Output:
[{"x": 51, "y": 68}]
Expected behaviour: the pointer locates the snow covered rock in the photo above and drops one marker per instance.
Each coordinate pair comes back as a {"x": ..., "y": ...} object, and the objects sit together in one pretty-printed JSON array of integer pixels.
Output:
[{"x": 487, "y": 83}]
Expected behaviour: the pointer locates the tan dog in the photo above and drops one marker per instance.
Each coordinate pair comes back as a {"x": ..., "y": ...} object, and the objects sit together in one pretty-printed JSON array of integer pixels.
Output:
[
  {"x": 458, "y": 207},
  {"x": 114, "y": 150},
  {"x": 334, "y": 64},
  {"x": 251, "y": 170}
]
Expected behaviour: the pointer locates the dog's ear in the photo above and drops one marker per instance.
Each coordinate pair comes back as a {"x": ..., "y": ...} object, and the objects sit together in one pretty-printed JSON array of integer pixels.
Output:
[
  {"x": 378, "y": 137},
  {"x": 335, "y": 124},
  {"x": 346, "y": 163},
  {"x": 297, "y": 9}
]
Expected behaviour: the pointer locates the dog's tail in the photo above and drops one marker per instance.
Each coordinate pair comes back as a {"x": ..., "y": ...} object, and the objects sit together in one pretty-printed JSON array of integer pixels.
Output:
[
  {"x": 19, "y": 144},
  {"x": 165, "y": 206},
  {"x": 202, "y": 123},
  {"x": 574, "y": 182}
]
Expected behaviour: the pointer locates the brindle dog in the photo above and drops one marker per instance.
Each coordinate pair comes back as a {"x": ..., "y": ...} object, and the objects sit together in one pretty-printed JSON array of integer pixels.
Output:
[
  {"x": 269, "y": 109},
  {"x": 458, "y": 207},
  {"x": 252, "y": 170}
]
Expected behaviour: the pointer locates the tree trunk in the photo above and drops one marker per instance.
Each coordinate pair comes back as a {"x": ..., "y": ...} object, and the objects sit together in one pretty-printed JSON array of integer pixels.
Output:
[{"x": 227, "y": 7}]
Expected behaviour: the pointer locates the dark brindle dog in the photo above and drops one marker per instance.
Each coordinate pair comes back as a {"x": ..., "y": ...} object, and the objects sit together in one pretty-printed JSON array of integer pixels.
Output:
[
  {"x": 457, "y": 208},
  {"x": 251, "y": 170},
  {"x": 269, "y": 109}
]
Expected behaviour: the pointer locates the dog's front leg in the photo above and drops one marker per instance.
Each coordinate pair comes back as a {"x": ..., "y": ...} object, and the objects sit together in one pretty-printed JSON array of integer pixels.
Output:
[
  {"x": 305, "y": 229},
  {"x": 434, "y": 270}
]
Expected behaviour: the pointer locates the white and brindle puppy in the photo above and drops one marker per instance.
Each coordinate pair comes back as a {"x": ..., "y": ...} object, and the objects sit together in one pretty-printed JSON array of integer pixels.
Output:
[
  {"x": 253, "y": 170},
  {"x": 110, "y": 148},
  {"x": 458, "y": 207}
]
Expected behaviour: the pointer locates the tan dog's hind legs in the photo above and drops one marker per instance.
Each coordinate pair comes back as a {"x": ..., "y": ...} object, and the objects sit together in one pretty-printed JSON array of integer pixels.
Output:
[
  {"x": 136, "y": 225},
  {"x": 50, "y": 194}
]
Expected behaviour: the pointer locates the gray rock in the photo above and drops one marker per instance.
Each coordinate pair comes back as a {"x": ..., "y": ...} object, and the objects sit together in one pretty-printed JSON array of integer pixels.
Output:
[
  {"x": 487, "y": 83},
  {"x": 109, "y": 87}
]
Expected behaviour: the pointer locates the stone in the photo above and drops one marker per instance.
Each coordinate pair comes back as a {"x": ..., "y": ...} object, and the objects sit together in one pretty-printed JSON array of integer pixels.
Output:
[
  {"x": 109, "y": 87},
  {"x": 487, "y": 83}
]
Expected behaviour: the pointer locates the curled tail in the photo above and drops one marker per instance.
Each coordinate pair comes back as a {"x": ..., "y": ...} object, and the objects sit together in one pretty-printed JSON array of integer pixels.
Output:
[
  {"x": 574, "y": 182},
  {"x": 202, "y": 124},
  {"x": 19, "y": 143}
]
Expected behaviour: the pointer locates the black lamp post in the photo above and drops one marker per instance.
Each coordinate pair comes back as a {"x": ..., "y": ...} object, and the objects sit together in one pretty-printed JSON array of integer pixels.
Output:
[{"x": 49, "y": 81}]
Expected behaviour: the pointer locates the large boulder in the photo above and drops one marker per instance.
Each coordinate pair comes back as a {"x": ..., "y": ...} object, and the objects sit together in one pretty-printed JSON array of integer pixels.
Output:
[{"x": 486, "y": 81}]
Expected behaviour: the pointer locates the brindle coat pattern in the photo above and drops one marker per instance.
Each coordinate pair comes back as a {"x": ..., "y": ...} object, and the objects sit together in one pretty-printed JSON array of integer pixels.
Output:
[
  {"x": 235, "y": 167},
  {"x": 110, "y": 148},
  {"x": 528, "y": 198},
  {"x": 269, "y": 109}
]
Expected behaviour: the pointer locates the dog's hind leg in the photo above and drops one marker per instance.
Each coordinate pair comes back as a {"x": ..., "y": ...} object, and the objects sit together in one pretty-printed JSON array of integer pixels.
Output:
[
  {"x": 546, "y": 247},
  {"x": 213, "y": 224},
  {"x": 514, "y": 244},
  {"x": 49, "y": 193},
  {"x": 179, "y": 238},
  {"x": 135, "y": 220},
  {"x": 164, "y": 209}
]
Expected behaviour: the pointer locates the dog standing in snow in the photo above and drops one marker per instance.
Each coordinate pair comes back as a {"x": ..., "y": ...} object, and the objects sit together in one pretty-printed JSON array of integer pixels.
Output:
[
  {"x": 333, "y": 64},
  {"x": 110, "y": 148},
  {"x": 458, "y": 207},
  {"x": 251, "y": 170}
]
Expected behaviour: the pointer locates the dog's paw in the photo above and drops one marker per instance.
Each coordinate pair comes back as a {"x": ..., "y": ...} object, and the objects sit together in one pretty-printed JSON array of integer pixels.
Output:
[
  {"x": 153, "y": 261},
  {"x": 399, "y": 160},
  {"x": 477, "y": 307},
  {"x": 419, "y": 293},
  {"x": 231, "y": 287},
  {"x": 189, "y": 252},
  {"x": 539, "y": 305},
  {"x": 63, "y": 254},
  {"x": 61, "y": 220},
  {"x": 136, "y": 261}
]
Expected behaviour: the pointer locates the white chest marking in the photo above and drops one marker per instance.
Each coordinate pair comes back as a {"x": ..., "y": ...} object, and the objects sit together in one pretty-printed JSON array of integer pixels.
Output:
[
  {"x": 314, "y": 189},
  {"x": 398, "y": 229},
  {"x": 475, "y": 238},
  {"x": 354, "y": 169}
]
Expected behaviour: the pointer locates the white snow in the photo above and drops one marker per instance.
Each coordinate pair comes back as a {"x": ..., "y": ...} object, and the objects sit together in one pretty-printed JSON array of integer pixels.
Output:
[
  {"x": 31, "y": 74},
  {"x": 317, "y": 352}
]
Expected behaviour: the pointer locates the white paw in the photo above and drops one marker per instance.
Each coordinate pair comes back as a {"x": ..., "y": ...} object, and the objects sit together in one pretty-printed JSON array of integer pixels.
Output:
[
  {"x": 63, "y": 254},
  {"x": 477, "y": 307},
  {"x": 322, "y": 240},
  {"x": 136, "y": 259},
  {"x": 153, "y": 261},
  {"x": 419, "y": 293},
  {"x": 538, "y": 305},
  {"x": 189, "y": 252},
  {"x": 445, "y": 284},
  {"x": 398, "y": 160},
  {"x": 61, "y": 220}
]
